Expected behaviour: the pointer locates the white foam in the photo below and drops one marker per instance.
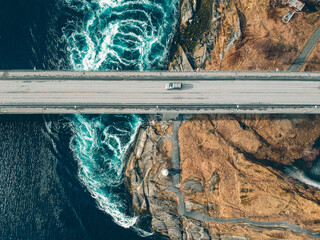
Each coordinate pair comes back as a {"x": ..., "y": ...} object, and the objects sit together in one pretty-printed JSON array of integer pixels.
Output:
[
  {"x": 103, "y": 49},
  {"x": 110, "y": 27},
  {"x": 101, "y": 184}
]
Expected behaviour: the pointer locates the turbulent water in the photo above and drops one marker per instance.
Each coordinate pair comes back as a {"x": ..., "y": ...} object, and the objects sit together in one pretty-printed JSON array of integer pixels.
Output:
[
  {"x": 309, "y": 176},
  {"x": 120, "y": 34},
  {"x": 100, "y": 144},
  {"x": 114, "y": 35},
  {"x": 41, "y": 196},
  {"x": 56, "y": 170},
  {"x": 302, "y": 176},
  {"x": 98, "y": 35}
]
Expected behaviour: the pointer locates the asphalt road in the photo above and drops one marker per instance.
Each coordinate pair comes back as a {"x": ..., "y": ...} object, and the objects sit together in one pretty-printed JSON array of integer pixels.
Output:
[
  {"x": 202, "y": 92},
  {"x": 298, "y": 63},
  {"x": 150, "y": 92}
]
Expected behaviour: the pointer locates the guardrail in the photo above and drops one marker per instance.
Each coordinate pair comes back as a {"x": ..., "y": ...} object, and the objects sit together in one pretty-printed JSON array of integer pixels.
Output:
[{"x": 162, "y": 75}]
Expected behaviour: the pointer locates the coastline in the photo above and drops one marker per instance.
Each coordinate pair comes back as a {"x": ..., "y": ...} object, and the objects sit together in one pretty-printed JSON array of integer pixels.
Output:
[{"x": 156, "y": 195}]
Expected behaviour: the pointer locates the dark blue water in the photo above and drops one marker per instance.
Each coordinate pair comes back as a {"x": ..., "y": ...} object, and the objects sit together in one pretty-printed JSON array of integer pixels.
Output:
[
  {"x": 41, "y": 196},
  {"x": 62, "y": 176},
  {"x": 87, "y": 34},
  {"x": 30, "y": 34}
]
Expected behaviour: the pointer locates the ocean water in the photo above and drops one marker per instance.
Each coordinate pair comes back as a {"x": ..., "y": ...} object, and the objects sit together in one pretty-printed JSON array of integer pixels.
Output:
[
  {"x": 114, "y": 35},
  {"x": 87, "y": 34},
  {"x": 41, "y": 196},
  {"x": 62, "y": 176},
  {"x": 100, "y": 144}
]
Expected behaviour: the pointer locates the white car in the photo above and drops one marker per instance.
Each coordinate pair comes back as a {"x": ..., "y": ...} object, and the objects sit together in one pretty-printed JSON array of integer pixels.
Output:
[{"x": 173, "y": 85}]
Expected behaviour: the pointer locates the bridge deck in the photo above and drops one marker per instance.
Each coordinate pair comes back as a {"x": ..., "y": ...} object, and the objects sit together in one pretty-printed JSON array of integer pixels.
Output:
[{"x": 262, "y": 92}]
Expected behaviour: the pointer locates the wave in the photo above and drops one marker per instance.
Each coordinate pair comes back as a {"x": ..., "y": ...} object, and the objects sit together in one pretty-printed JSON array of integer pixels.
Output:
[
  {"x": 99, "y": 144},
  {"x": 120, "y": 34},
  {"x": 114, "y": 35}
]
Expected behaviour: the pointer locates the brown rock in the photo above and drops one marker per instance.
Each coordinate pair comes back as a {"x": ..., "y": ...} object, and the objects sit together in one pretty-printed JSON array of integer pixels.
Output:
[
  {"x": 231, "y": 167},
  {"x": 200, "y": 55},
  {"x": 180, "y": 61},
  {"x": 214, "y": 25},
  {"x": 195, "y": 230},
  {"x": 266, "y": 43},
  {"x": 245, "y": 152},
  {"x": 192, "y": 185}
]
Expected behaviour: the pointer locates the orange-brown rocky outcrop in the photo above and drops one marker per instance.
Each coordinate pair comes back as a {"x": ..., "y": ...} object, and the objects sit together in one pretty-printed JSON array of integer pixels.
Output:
[
  {"x": 148, "y": 185},
  {"x": 238, "y": 160},
  {"x": 231, "y": 167},
  {"x": 267, "y": 43},
  {"x": 241, "y": 35}
]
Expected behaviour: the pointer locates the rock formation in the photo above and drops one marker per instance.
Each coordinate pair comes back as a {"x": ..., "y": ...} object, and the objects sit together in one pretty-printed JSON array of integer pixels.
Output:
[
  {"x": 242, "y": 35},
  {"x": 231, "y": 167},
  {"x": 147, "y": 183},
  {"x": 205, "y": 25},
  {"x": 242, "y": 166},
  {"x": 238, "y": 176}
]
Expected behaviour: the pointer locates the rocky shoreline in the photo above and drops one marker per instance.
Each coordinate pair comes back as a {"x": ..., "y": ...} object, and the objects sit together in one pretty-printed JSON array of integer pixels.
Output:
[
  {"x": 241, "y": 35},
  {"x": 146, "y": 182},
  {"x": 228, "y": 176},
  {"x": 205, "y": 26},
  {"x": 231, "y": 183}
]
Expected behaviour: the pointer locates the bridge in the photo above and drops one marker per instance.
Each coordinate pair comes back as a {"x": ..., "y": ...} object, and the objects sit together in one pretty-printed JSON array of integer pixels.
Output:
[{"x": 51, "y": 92}]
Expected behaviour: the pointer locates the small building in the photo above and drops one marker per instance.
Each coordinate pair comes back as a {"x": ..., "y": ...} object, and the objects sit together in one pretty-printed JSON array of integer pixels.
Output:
[{"x": 295, "y": 6}]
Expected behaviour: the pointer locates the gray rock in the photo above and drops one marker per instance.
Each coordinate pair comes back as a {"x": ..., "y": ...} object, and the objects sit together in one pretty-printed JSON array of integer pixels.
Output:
[
  {"x": 148, "y": 185},
  {"x": 213, "y": 183},
  {"x": 180, "y": 61},
  {"x": 235, "y": 36},
  {"x": 159, "y": 225},
  {"x": 186, "y": 12},
  {"x": 175, "y": 64},
  {"x": 163, "y": 219},
  {"x": 195, "y": 231},
  {"x": 200, "y": 55},
  {"x": 195, "y": 207},
  {"x": 140, "y": 143},
  {"x": 185, "y": 64},
  {"x": 192, "y": 185}
]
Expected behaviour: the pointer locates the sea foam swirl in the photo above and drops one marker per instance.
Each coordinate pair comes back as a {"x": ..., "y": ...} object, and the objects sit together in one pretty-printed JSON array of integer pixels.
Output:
[
  {"x": 99, "y": 144},
  {"x": 121, "y": 34},
  {"x": 114, "y": 35}
]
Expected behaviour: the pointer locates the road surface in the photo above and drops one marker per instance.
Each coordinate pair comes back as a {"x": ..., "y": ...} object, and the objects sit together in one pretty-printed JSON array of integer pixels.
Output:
[
  {"x": 278, "y": 94},
  {"x": 298, "y": 63}
]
